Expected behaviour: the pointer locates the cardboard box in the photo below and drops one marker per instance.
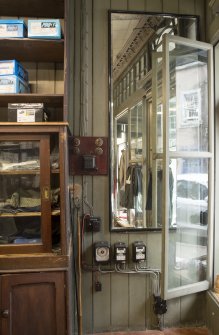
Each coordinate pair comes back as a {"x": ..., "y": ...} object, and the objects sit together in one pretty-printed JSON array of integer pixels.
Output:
[
  {"x": 13, "y": 29},
  {"x": 13, "y": 67},
  {"x": 13, "y": 84},
  {"x": 47, "y": 28},
  {"x": 26, "y": 112}
]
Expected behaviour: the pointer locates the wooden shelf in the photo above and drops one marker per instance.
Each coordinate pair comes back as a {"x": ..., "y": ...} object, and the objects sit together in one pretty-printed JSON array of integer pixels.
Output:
[
  {"x": 50, "y": 100},
  {"x": 32, "y": 50},
  {"x": 33, "y": 8},
  {"x": 17, "y": 172},
  {"x": 55, "y": 212}
]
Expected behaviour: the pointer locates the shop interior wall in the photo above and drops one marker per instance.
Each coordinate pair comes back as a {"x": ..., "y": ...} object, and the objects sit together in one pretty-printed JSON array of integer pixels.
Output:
[{"x": 125, "y": 301}]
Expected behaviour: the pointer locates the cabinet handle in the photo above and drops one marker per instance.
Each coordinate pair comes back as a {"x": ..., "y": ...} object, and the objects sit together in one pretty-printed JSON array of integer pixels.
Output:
[{"x": 5, "y": 314}]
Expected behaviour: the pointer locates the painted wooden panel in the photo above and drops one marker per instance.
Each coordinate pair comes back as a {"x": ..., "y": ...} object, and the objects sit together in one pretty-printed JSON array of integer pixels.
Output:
[
  {"x": 77, "y": 69},
  {"x": 101, "y": 306},
  {"x": 59, "y": 83},
  {"x": 101, "y": 300},
  {"x": 171, "y": 6},
  {"x": 200, "y": 10},
  {"x": 120, "y": 301},
  {"x": 194, "y": 308},
  {"x": 137, "y": 5},
  {"x": 187, "y": 6},
  {"x": 118, "y": 4},
  {"x": 126, "y": 301},
  {"x": 100, "y": 68},
  {"x": 154, "y": 6},
  {"x": 45, "y": 78}
]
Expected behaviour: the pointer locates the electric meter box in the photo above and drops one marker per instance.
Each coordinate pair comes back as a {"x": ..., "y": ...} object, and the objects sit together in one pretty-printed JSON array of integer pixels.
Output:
[
  {"x": 120, "y": 252},
  {"x": 138, "y": 251},
  {"x": 102, "y": 252},
  {"x": 13, "y": 67},
  {"x": 47, "y": 28},
  {"x": 13, "y": 29}
]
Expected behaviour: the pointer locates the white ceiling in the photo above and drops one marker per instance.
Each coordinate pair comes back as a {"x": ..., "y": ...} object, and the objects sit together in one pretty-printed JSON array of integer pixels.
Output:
[{"x": 122, "y": 25}]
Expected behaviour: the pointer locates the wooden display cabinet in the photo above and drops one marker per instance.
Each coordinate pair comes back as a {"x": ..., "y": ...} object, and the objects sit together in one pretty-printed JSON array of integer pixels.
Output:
[
  {"x": 35, "y": 230},
  {"x": 33, "y": 303}
]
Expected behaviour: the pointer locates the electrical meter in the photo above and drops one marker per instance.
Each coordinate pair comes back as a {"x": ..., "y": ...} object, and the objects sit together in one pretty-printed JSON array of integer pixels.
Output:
[
  {"x": 102, "y": 252},
  {"x": 120, "y": 252},
  {"x": 138, "y": 251}
]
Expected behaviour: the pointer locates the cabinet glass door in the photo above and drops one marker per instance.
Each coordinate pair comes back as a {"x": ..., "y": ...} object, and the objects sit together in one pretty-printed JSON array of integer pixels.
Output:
[
  {"x": 25, "y": 206},
  {"x": 187, "y": 165}
]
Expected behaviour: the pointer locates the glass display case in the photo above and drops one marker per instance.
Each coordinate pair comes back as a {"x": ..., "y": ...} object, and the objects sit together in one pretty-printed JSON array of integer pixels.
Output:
[{"x": 29, "y": 192}]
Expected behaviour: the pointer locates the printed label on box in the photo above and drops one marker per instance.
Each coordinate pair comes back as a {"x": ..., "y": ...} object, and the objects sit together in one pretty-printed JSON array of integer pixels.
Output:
[
  {"x": 44, "y": 28},
  {"x": 27, "y": 115},
  {"x": 6, "y": 68},
  {"x": 8, "y": 30}
]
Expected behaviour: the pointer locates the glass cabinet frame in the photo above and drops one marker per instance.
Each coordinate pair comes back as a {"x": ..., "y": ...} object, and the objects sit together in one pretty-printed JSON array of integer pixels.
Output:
[{"x": 45, "y": 136}]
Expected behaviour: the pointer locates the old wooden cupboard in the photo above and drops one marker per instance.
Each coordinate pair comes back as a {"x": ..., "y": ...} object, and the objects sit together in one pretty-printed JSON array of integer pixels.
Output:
[{"x": 34, "y": 212}]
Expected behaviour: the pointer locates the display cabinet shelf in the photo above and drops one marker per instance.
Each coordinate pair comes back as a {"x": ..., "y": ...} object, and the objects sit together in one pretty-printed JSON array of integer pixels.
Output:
[
  {"x": 32, "y": 50},
  {"x": 50, "y": 100},
  {"x": 35, "y": 8},
  {"x": 28, "y": 214}
]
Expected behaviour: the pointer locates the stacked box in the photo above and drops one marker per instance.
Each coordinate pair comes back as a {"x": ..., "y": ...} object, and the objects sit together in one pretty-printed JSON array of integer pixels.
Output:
[
  {"x": 26, "y": 112},
  {"x": 13, "y": 29},
  {"x": 47, "y": 28},
  {"x": 13, "y": 84},
  {"x": 13, "y": 67}
]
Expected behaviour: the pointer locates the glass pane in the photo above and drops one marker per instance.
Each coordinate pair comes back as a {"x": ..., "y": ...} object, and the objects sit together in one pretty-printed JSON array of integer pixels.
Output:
[
  {"x": 136, "y": 132},
  {"x": 188, "y": 95},
  {"x": 189, "y": 208},
  {"x": 159, "y": 106},
  {"x": 20, "y": 200}
]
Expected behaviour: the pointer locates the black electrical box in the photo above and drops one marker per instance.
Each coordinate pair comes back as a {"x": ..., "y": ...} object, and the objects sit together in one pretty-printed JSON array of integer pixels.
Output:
[
  {"x": 120, "y": 252},
  {"x": 138, "y": 251},
  {"x": 102, "y": 252},
  {"x": 93, "y": 223},
  {"x": 89, "y": 162}
]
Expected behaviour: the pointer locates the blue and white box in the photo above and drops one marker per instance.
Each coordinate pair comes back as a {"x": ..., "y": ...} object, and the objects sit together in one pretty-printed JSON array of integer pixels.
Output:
[
  {"x": 13, "y": 84},
  {"x": 46, "y": 28},
  {"x": 13, "y": 29},
  {"x": 13, "y": 67}
]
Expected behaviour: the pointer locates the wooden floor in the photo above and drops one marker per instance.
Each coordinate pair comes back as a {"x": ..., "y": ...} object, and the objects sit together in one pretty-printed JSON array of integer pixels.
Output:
[{"x": 167, "y": 331}]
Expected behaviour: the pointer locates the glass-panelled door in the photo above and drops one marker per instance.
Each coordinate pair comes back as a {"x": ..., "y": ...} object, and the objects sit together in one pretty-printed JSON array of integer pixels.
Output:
[{"x": 187, "y": 166}]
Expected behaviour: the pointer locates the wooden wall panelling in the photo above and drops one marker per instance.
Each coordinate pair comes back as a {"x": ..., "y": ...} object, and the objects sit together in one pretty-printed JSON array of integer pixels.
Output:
[
  {"x": 138, "y": 290},
  {"x": 32, "y": 74},
  {"x": 76, "y": 85},
  {"x": 154, "y": 6},
  {"x": 120, "y": 301},
  {"x": 82, "y": 129},
  {"x": 115, "y": 286},
  {"x": 171, "y": 6},
  {"x": 212, "y": 314},
  {"x": 193, "y": 309},
  {"x": 118, "y": 4},
  {"x": 45, "y": 78},
  {"x": 137, "y": 5},
  {"x": 119, "y": 291},
  {"x": 201, "y": 11},
  {"x": 153, "y": 261},
  {"x": 173, "y": 315},
  {"x": 101, "y": 300},
  {"x": 187, "y": 6},
  {"x": 70, "y": 53},
  {"x": 59, "y": 73}
]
